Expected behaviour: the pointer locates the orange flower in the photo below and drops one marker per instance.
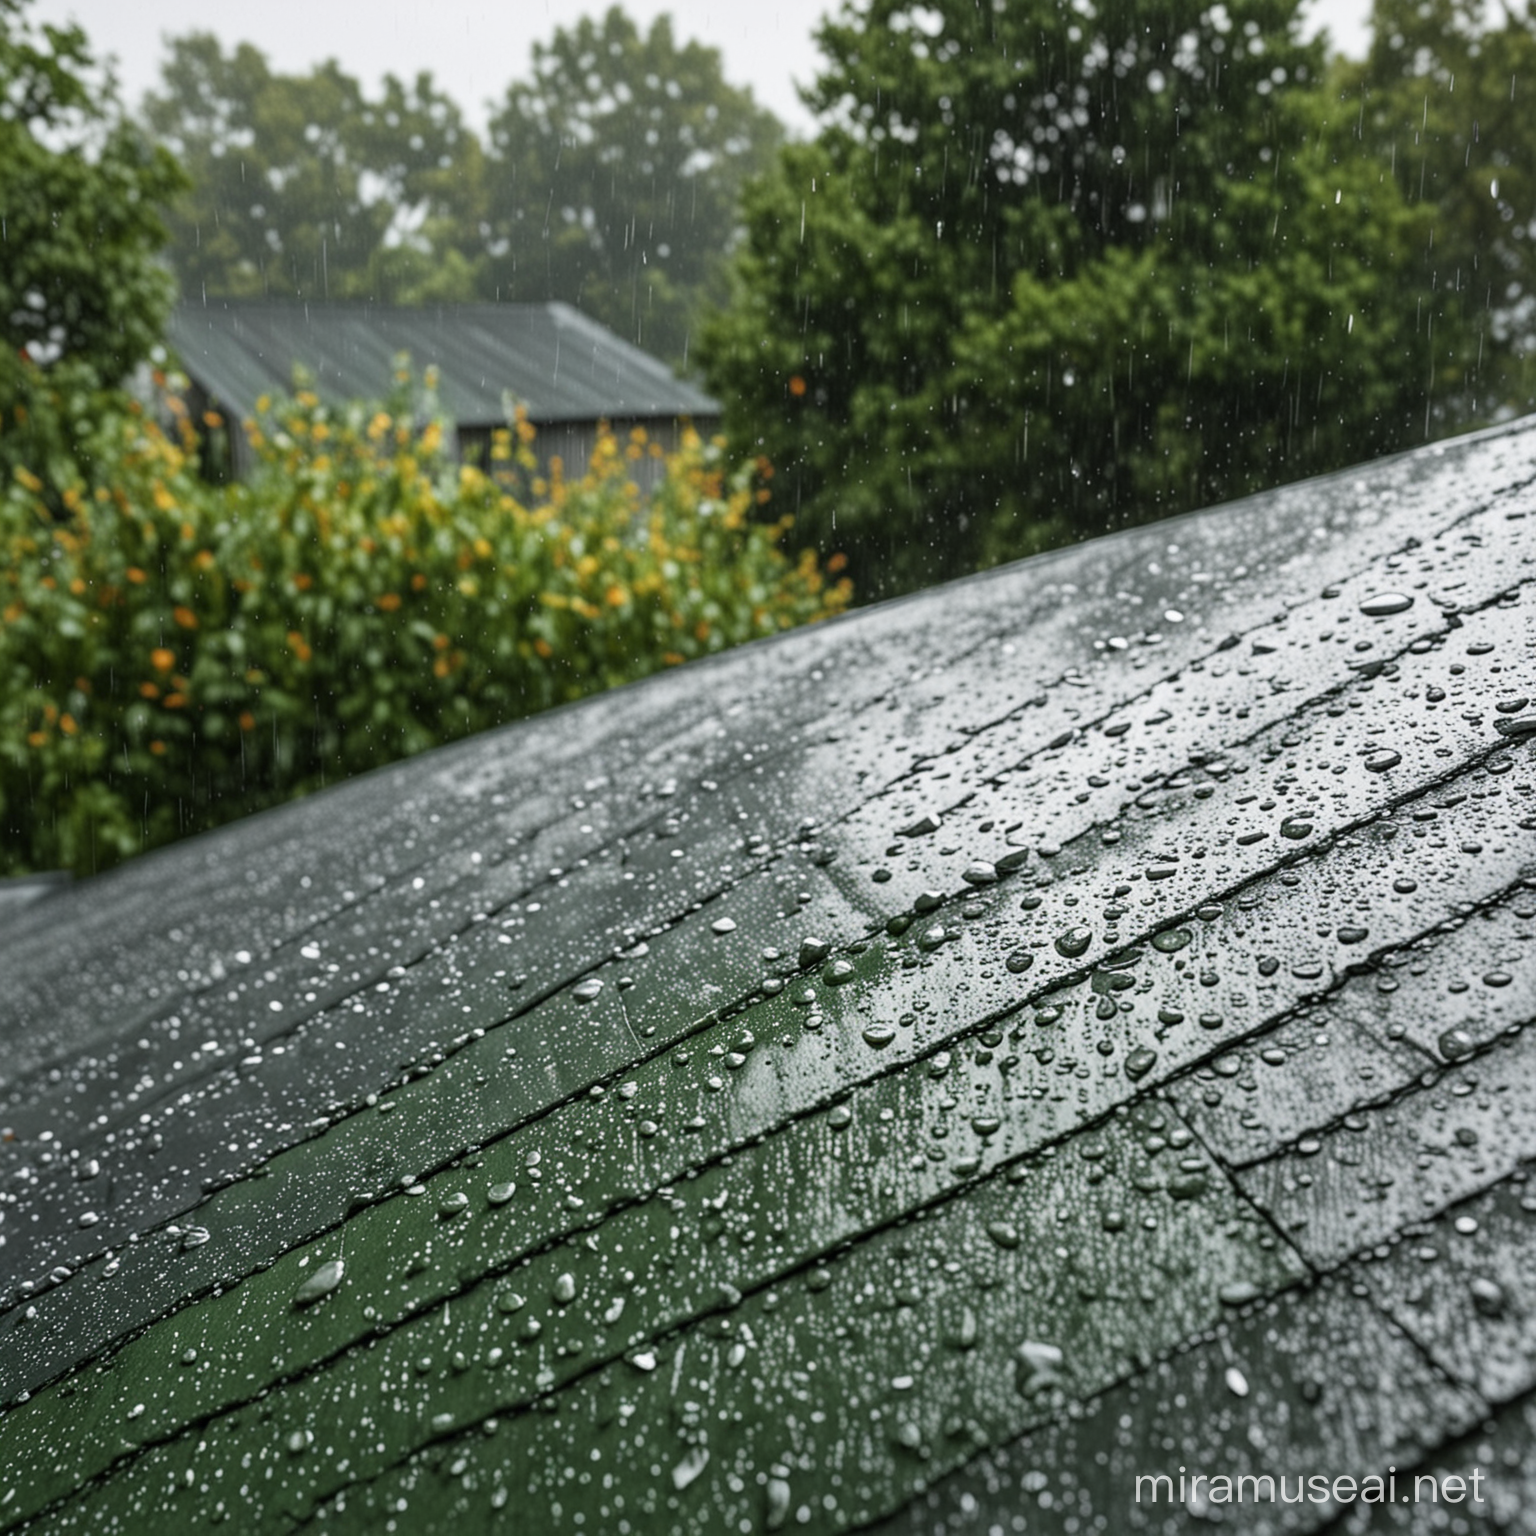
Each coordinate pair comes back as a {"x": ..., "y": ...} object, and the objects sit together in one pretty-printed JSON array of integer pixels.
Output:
[
  {"x": 149, "y": 690},
  {"x": 67, "y": 724},
  {"x": 418, "y": 582},
  {"x": 300, "y": 645},
  {"x": 158, "y": 748},
  {"x": 162, "y": 659},
  {"x": 185, "y": 617},
  {"x": 796, "y": 385},
  {"x": 135, "y": 575},
  {"x": 247, "y": 720},
  {"x": 543, "y": 647},
  {"x": 837, "y": 562},
  {"x": 389, "y": 602},
  {"x": 303, "y": 580}
]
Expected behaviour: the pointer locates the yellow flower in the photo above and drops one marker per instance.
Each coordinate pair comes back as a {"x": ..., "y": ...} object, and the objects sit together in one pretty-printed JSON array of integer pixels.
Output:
[{"x": 162, "y": 659}]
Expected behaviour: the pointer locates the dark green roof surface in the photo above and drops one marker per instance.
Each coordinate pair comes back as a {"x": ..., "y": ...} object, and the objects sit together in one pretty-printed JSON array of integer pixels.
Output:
[
  {"x": 550, "y": 357},
  {"x": 920, "y": 1073}
]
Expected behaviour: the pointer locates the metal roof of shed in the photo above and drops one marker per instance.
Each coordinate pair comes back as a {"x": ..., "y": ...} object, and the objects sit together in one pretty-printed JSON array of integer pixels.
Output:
[
  {"x": 919, "y": 1073},
  {"x": 561, "y": 365}
]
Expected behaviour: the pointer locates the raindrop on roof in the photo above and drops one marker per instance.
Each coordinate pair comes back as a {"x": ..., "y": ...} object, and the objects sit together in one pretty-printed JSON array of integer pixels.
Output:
[
  {"x": 1382, "y": 605},
  {"x": 322, "y": 1282}
]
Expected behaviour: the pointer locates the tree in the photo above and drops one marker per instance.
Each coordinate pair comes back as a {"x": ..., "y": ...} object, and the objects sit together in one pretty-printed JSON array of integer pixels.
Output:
[
  {"x": 305, "y": 188},
  {"x": 1043, "y": 272},
  {"x": 1443, "y": 98},
  {"x": 82, "y": 298},
  {"x": 615, "y": 174}
]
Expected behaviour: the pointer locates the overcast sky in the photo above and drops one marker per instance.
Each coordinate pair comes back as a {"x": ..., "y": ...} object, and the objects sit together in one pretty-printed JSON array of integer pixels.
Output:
[{"x": 475, "y": 48}]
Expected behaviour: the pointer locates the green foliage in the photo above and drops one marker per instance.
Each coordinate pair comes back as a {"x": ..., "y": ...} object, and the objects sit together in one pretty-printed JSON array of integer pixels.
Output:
[
  {"x": 174, "y": 654},
  {"x": 304, "y": 187},
  {"x": 1444, "y": 99},
  {"x": 82, "y": 299},
  {"x": 615, "y": 172},
  {"x": 1044, "y": 272},
  {"x": 610, "y": 180}
]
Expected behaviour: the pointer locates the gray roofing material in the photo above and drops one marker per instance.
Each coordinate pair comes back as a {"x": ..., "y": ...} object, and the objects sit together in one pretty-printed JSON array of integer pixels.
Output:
[
  {"x": 550, "y": 357},
  {"x": 928, "y": 1069}
]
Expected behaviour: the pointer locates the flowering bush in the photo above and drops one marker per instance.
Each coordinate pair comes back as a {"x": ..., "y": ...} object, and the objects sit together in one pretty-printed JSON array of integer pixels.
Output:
[{"x": 175, "y": 654}]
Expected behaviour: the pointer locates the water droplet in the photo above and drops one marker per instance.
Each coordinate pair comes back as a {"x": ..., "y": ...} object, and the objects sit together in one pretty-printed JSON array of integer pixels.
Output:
[
  {"x": 1454, "y": 1043},
  {"x": 564, "y": 1290},
  {"x": 454, "y": 1205},
  {"x": 1170, "y": 940},
  {"x": 1466, "y": 1225},
  {"x": 695, "y": 1459},
  {"x": 1488, "y": 1296},
  {"x": 1237, "y": 1293},
  {"x": 1074, "y": 942},
  {"x": 510, "y": 1301},
  {"x": 1140, "y": 1062},
  {"x": 879, "y": 1035},
  {"x": 325, "y": 1278},
  {"x": 587, "y": 991},
  {"x": 1352, "y": 935},
  {"x": 644, "y": 1361},
  {"x": 1382, "y": 605},
  {"x": 777, "y": 1494},
  {"x": 1404, "y": 886},
  {"x": 1039, "y": 1367},
  {"x": 1237, "y": 1383},
  {"x": 979, "y": 873},
  {"x": 1381, "y": 761},
  {"x": 1019, "y": 961},
  {"x": 1518, "y": 729},
  {"x": 926, "y": 823},
  {"x": 499, "y": 1194},
  {"x": 723, "y": 925},
  {"x": 813, "y": 952},
  {"x": 840, "y": 1117},
  {"x": 1003, "y": 1233},
  {"x": 836, "y": 973}
]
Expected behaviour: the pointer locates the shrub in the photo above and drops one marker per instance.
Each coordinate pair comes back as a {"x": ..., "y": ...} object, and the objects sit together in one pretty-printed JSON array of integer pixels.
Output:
[{"x": 174, "y": 654}]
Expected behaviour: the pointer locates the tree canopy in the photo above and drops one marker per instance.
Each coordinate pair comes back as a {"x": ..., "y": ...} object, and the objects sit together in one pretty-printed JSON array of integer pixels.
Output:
[
  {"x": 1444, "y": 98},
  {"x": 78, "y": 195},
  {"x": 304, "y": 186},
  {"x": 1046, "y": 270},
  {"x": 614, "y": 174},
  {"x": 609, "y": 179}
]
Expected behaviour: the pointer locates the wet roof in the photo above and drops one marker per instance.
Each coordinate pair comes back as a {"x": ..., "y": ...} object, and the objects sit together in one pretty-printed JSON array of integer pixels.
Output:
[
  {"x": 925, "y": 1071},
  {"x": 550, "y": 357}
]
